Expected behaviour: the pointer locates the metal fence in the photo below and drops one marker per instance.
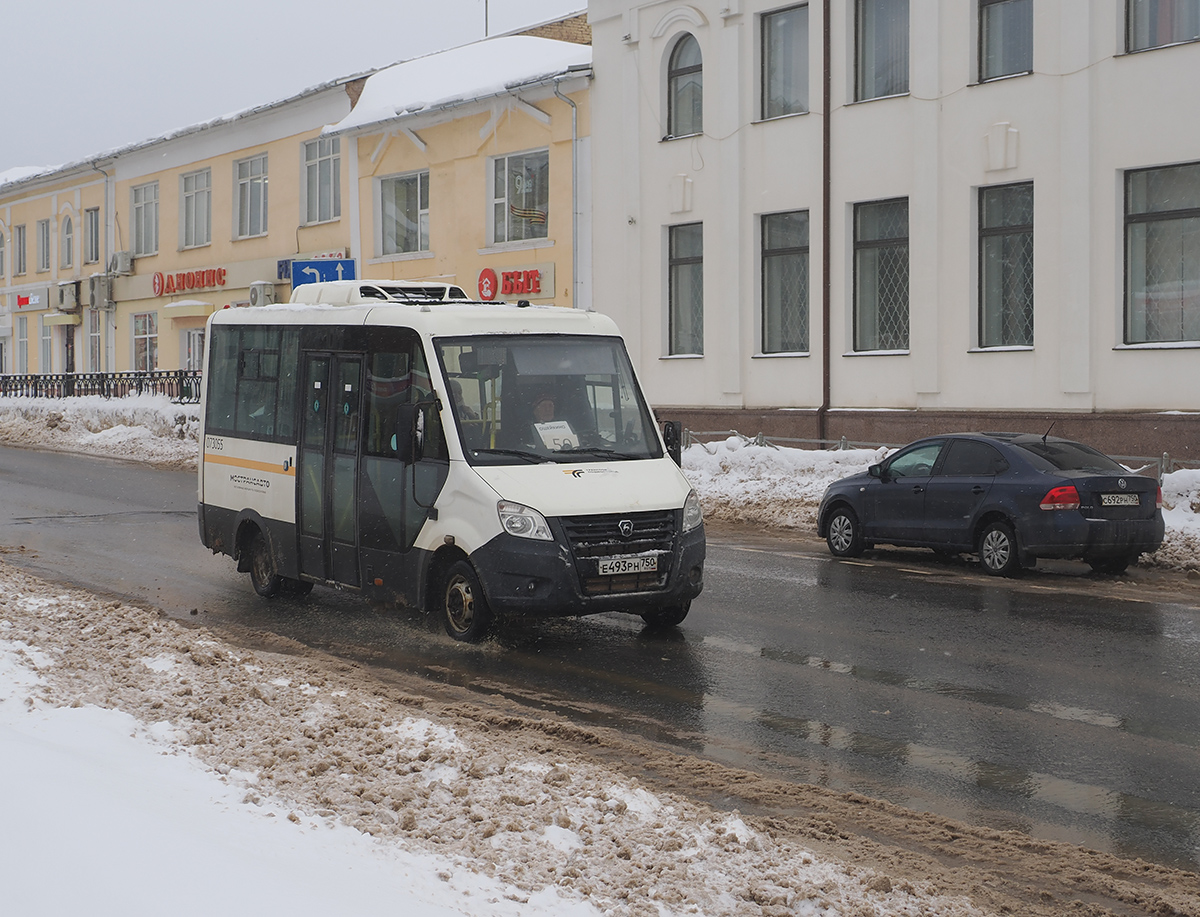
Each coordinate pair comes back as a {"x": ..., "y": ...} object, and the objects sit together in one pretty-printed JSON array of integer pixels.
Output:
[
  {"x": 182, "y": 386},
  {"x": 1140, "y": 464}
]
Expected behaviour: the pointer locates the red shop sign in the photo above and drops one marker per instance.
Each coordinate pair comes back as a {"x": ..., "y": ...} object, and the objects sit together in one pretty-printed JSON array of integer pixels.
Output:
[{"x": 165, "y": 284}]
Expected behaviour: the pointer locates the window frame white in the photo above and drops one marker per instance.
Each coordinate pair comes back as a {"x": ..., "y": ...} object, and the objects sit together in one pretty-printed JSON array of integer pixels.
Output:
[
  {"x": 421, "y": 179},
  {"x": 45, "y": 346},
  {"x": 313, "y": 155},
  {"x": 143, "y": 206},
  {"x": 3, "y": 252},
  {"x": 504, "y": 204},
  {"x": 66, "y": 243},
  {"x": 189, "y": 213},
  {"x": 95, "y": 333},
  {"x": 250, "y": 192},
  {"x": 91, "y": 235},
  {"x": 149, "y": 337},
  {"x": 43, "y": 245},
  {"x": 23, "y": 345}
]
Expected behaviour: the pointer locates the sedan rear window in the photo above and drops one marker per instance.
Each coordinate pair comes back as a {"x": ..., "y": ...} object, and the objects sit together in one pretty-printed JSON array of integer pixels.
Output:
[{"x": 1062, "y": 455}]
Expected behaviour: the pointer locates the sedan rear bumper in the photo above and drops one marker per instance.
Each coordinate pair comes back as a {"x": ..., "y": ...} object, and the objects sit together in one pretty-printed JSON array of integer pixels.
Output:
[{"x": 1068, "y": 534}]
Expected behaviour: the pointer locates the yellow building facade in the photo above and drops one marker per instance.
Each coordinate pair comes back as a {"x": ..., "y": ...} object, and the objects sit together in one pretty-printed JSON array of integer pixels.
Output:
[{"x": 114, "y": 264}]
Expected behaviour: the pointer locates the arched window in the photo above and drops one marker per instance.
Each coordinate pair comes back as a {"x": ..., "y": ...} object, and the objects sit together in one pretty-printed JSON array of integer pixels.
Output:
[
  {"x": 685, "y": 89},
  {"x": 67, "y": 243},
  {"x": 1, "y": 252}
]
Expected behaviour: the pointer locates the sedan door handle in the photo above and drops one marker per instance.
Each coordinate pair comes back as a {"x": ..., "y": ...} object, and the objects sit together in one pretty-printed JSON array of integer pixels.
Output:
[
  {"x": 977, "y": 490},
  {"x": 917, "y": 488}
]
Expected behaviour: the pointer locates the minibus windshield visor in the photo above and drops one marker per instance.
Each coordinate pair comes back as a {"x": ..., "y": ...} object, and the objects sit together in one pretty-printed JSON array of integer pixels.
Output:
[{"x": 537, "y": 398}]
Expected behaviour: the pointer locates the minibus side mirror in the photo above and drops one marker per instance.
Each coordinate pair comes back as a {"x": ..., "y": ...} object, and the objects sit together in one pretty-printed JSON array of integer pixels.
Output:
[
  {"x": 406, "y": 441},
  {"x": 673, "y": 438}
]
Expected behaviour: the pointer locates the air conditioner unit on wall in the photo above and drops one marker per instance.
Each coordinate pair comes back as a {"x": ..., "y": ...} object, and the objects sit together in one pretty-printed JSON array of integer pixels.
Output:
[
  {"x": 68, "y": 296},
  {"x": 99, "y": 292},
  {"x": 262, "y": 293},
  {"x": 122, "y": 262}
]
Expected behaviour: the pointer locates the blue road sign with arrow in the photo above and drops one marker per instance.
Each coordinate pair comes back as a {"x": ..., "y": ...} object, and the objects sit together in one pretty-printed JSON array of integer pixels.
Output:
[{"x": 320, "y": 270}]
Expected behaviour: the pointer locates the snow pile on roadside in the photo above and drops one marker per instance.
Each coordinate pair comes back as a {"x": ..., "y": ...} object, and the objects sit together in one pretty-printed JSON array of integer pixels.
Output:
[
  {"x": 476, "y": 808},
  {"x": 144, "y": 427},
  {"x": 1181, "y": 513},
  {"x": 740, "y": 481}
]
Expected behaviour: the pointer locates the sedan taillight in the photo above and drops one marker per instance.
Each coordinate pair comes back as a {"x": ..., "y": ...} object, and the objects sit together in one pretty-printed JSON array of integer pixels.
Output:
[{"x": 1061, "y": 498}]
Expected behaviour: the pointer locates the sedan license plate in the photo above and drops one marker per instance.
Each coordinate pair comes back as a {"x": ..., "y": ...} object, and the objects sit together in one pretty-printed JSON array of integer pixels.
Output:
[
  {"x": 1119, "y": 500},
  {"x": 641, "y": 563}
]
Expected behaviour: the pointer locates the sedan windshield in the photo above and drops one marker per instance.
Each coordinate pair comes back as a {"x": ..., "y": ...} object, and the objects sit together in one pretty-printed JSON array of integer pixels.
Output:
[
  {"x": 1062, "y": 455},
  {"x": 538, "y": 398}
]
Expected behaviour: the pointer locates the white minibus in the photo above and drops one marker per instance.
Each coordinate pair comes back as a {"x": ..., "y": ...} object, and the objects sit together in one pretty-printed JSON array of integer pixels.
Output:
[{"x": 471, "y": 459}]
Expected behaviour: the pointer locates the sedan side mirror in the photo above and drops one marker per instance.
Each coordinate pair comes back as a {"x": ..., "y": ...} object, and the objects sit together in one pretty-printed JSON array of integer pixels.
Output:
[{"x": 876, "y": 471}]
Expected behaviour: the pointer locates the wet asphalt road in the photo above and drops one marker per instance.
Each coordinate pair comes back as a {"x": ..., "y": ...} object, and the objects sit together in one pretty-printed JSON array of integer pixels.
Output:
[{"x": 1059, "y": 705}]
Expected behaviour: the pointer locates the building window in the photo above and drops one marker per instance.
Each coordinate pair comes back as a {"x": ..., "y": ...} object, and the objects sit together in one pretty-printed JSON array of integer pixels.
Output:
[
  {"x": 193, "y": 348},
  {"x": 1, "y": 252},
  {"x": 19, "y": 249},
  {"x": 95, "y": 345},
  {"x": 91, "y": 235},
  {"x": 43, "y": 245},
  {"x": 881, "y": 36},
  {"x": 785, "y": 282},
  {"x": 1005, "y": 38},
  {"x": 1154, "y": 23},
  {"x": 1162, "y": 254},
  {"x": 145, "y": 218},
  {"x": 44, "y": 357},
  {"x": 685, "y": 89},
  {"x": 404, "y": 213},
  {"x": 785, "y": 62},
  {"x": 520, "y": 196},
  {"x": 197, "y": 208},
  {"x": 1006, "y": 266},
  {"x": 251, "y": 192},
  {"x": 881, "y": 275},
  {"x": 23, "y": 344},
  {"x": 67, "y": 246},
  {"x": 322, "y": 180},
  {"x": 145, "y": 341},
  {"x": 685, "y": 293}
]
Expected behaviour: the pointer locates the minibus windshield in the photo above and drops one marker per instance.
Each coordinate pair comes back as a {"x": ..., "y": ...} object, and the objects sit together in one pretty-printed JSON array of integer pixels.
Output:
[{"x": 546, "y": 398}]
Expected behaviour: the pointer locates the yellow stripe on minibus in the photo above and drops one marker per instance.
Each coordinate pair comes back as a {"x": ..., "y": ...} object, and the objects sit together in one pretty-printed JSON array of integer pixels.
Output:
[{"x": 287, "y": 468}]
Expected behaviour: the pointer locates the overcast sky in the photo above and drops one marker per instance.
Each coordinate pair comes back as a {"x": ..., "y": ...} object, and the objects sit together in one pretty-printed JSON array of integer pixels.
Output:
[{"x": 86, "y": 76}]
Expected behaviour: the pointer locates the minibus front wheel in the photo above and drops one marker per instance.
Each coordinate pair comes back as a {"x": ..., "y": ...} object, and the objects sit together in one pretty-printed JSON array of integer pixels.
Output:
[{"x": 464, "y": 608}]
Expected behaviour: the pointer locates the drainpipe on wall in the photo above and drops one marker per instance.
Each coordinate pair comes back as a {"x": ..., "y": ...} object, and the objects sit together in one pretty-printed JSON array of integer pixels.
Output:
[
  {"x": 575, "y": 279},
  {"x": 109, "y": 318},
  {"x": 826, "y": 195}
]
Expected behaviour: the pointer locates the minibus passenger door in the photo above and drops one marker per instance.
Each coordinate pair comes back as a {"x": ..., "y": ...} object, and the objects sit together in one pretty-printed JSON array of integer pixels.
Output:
[{"x": 328, "y": 467}]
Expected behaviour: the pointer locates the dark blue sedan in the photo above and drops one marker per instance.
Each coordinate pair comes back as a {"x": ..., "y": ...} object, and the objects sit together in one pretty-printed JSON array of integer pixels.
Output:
[{"x": 1008, "y": 497}]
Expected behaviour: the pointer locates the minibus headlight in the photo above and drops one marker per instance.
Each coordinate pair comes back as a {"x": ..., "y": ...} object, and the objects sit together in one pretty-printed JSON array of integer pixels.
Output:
[
  {"x": 692, "y": 514},
  {"x": 523, "y": 521}
]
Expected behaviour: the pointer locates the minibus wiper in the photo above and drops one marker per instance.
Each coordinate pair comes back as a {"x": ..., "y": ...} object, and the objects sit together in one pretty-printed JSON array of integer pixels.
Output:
[
  {"x": 598, "y": 450},
  {"x": 520, "y": 453}
]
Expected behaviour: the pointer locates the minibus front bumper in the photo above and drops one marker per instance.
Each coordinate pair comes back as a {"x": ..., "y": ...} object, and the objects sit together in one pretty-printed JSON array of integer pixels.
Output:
[{"x": 521, "y": 576}]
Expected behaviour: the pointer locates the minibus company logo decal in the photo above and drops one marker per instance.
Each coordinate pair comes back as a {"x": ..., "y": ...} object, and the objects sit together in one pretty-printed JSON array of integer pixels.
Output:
[
  {"x": 625, "y": 527},
  {"x": 580, "y": 472},
  {"x": 245, "y": 482}
]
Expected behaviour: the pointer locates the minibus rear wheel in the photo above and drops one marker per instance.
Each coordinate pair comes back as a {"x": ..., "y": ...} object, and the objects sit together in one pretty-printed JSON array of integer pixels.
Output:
[
  {"x": 263, "y": 577},
  {"x": 667, "y": 617},
  {"x": 464, "y": 607}
]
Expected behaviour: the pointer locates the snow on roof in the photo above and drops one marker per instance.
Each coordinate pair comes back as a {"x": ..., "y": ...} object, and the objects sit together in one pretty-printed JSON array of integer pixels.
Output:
[
  {"x": 474, "y": 71},
  {"x": 20, "y": 173}
]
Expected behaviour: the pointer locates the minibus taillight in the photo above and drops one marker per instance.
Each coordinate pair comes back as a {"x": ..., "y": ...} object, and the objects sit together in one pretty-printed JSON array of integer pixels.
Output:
[
  {"x": 1061, "y": 498},
  {"x": 1158, "y": 499}
]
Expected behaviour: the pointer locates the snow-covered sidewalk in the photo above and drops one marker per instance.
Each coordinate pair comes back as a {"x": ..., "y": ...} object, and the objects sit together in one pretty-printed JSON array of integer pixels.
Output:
[{"x": 148, "y": 766}]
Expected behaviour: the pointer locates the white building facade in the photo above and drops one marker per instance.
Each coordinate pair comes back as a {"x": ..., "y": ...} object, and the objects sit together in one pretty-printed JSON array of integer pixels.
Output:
[{"x": 879, "y": 218}]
